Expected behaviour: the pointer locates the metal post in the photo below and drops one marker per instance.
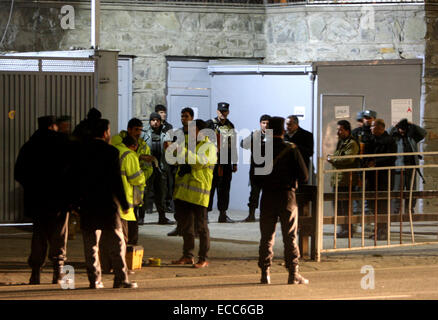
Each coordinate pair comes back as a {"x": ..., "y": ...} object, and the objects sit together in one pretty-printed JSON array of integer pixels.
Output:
[
  {"x": 95, "y": 24},
  {"x": 388, "y": 225},
  {"x": 375, "y": 209},
  {"x": 336, "y": 210},
  {"x": 402, "y": 202},
  {"x": 349, "y": 208},
  {"x": 320, "y": 210},
  {"x": 363, "y": 208},
  {"x": 414, "y": 171}
]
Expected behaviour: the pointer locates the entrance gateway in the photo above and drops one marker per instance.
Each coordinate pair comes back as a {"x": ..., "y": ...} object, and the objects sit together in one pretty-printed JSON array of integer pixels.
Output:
[{"x": 317, "y": 92}]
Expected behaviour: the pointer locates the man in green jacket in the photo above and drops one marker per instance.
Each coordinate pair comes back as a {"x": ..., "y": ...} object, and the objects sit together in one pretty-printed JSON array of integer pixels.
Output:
[{"x": 347, "y": 146}]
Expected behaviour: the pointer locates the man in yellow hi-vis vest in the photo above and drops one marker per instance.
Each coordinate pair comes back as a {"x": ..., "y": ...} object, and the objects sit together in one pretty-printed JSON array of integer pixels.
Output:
[
  {"x": 133, "y": 183},
  {"x": 192, "y": 194},
  {"x": 135, "y": 129}
]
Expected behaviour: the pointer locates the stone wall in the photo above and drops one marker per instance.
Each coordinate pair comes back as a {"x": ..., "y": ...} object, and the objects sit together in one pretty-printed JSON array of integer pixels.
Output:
[
  {"x": 280, "y": 34},
  {"x": 431, "y": 95},
  {"x": 151, "y": 32},
  {"x": 333, "y": 33}
]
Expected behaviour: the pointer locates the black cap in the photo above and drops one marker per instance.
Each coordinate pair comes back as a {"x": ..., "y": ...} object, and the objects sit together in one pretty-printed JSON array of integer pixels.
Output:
[
  {"x": 359, "y": 116},
  {"x": 403, "y": 124},
  {"x": 46, "y": 121},
  {"x": 94, "y": 114},
  {"x": 154, "y": 115},
  {"x": 369, "y": 114},
  {"x": 223, "y": 106}
]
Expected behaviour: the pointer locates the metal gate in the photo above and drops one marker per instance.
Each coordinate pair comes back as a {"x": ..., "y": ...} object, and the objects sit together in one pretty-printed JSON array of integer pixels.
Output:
[{"x": 31, "y": 87}]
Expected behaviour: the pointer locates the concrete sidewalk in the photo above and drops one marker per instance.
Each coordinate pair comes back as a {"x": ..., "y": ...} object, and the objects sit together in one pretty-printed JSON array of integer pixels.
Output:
[{"x": 234, "y": 251}]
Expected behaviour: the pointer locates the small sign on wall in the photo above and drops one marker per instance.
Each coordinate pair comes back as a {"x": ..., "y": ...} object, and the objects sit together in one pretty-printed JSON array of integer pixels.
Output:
[
  {"x": 300, "y": 112},
  {"x": 401, "y": 109},
  {"x": 342, "y": 112}
]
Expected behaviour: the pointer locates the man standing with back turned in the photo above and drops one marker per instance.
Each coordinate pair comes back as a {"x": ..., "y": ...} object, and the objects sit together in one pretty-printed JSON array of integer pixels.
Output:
[{"x": 278, "y": 201}]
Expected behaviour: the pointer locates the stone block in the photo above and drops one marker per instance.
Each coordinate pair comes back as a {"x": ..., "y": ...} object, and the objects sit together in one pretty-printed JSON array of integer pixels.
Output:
[
  {"x": 167, "y": 21},
  {"x": 212, "y": 21},
  {"x": 414, "y": 29}
]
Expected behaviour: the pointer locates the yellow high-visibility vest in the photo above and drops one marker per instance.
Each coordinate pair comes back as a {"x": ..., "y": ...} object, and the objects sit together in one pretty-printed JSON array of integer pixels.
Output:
[
  {"x": 194, "y": 187},
  {"x": 143, "y": 149},
  {"x": 133, "y": 180}
]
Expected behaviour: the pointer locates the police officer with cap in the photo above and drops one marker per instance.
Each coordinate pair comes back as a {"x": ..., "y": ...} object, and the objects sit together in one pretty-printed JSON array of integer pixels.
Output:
[
  {"x": 226, "y": 166},
  {"x": 363, "y": 133}
]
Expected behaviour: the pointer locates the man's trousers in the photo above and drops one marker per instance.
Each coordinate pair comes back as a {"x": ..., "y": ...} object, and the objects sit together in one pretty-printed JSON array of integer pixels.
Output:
[
  {"x": 191, "y": 217},
  {"x": 278, "y": 204},
  {"x": 49, "y": 232}
]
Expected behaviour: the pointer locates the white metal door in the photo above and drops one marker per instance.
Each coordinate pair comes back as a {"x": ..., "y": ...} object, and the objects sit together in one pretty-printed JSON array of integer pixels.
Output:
[
  {"x": 188, "y": 86},
  {"x": 251, "y": 92},
  {"x": 124, "y": 92}
]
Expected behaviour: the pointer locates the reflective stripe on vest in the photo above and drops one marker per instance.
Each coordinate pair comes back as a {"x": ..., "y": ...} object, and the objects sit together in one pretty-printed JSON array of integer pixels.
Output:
[{"x": 192, "y": 188}]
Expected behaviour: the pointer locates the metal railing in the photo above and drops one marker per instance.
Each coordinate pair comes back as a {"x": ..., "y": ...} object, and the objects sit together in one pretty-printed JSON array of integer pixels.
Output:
[
  {"x": 376, "y": 194},
  {"x": 282, "y": 2}
]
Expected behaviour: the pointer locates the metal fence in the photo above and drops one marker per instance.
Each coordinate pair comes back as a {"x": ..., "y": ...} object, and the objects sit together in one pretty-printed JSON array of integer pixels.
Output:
[
  {"x": 376, "y": 195},
  {"x": 31, "y": 87},
  {"x": 309, "y": 2}
]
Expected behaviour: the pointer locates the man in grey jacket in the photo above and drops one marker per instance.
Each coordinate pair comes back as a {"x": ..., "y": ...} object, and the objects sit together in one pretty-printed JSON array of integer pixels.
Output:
[
  {"x": 406, "y": 135},
  {"x": 157, "y": 182}
]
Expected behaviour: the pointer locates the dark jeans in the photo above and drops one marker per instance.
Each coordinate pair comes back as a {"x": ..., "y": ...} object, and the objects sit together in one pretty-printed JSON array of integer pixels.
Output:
[
  {"x": 221, "y": 182},
  {"x": 49, "y": 233},
  {"x": 191, "y": 217},
  {"x": 156, "y": 185},
  {"x": 407, "y": 176},
  {"x": 278, "y": 204},
  {"x": 254, "y": 195}
]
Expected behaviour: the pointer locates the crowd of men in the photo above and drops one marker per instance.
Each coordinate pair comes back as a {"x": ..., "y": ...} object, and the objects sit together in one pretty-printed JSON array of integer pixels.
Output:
[
  {"x": 371, "y": 137},
  {"x": 111, "y": 181}
]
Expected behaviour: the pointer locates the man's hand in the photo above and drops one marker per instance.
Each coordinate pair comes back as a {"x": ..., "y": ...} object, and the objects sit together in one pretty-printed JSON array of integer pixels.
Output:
[
  {"x": 234, "y": 167},
  {"x": 148, "y": 158}
]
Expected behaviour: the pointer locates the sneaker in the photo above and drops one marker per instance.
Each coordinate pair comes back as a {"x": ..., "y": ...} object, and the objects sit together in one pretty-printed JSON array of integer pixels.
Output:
[
  {"x": 125, "y": 285},
  {"x": 174, "y": 233},
  {"x": 96, "y": 285},
  {"x": 184, "y": 260},
  {"x": 297, "y": 278},
  {"x": 201, "y": 264},
  {"x": 165, "y": 221}
]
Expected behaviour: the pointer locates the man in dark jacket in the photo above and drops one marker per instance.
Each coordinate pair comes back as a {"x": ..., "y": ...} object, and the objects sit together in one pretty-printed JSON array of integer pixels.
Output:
[
  {"x": 226, "y": 166},
  {"x": 406, "y": 135},
  {"x": 255, "y": 140},
  {"x": 83, "y": 131},
  {"x": 101, "y": 191},
  {"x": 42, "y": 170},
  {"x": 377, "y": 180},
  {"x": 278, "y": 202},
  {"x": 303, "y": 139}
]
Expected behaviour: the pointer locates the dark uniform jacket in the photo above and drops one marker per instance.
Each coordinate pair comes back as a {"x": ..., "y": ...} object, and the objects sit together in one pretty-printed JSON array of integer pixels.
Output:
[
  {"x": 304, "y": 141},
  {"x": 363, "y": 135},
  {"x": 288, "y": 168},
  {"x": 100, "y": 185},
  {"x": 256, "y": 138},
  {"x": 381, "y": 144},
  {"x": 42, "y": 168},
  {"x": 227, "y": 132}
]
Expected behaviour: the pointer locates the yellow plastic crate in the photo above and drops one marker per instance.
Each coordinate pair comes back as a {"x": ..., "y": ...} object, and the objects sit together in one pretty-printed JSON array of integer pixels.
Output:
[{"x": 134, "y": 257}]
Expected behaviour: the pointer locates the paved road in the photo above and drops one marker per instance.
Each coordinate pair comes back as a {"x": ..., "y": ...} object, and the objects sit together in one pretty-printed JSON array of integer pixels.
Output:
[{"x": 409, "y": 282}]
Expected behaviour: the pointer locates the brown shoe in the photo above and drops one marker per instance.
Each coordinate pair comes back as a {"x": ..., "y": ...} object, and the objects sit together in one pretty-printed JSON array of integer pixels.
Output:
[
  {"x": 201, "y": 264},
  {"x": 184, "y": 260}
]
